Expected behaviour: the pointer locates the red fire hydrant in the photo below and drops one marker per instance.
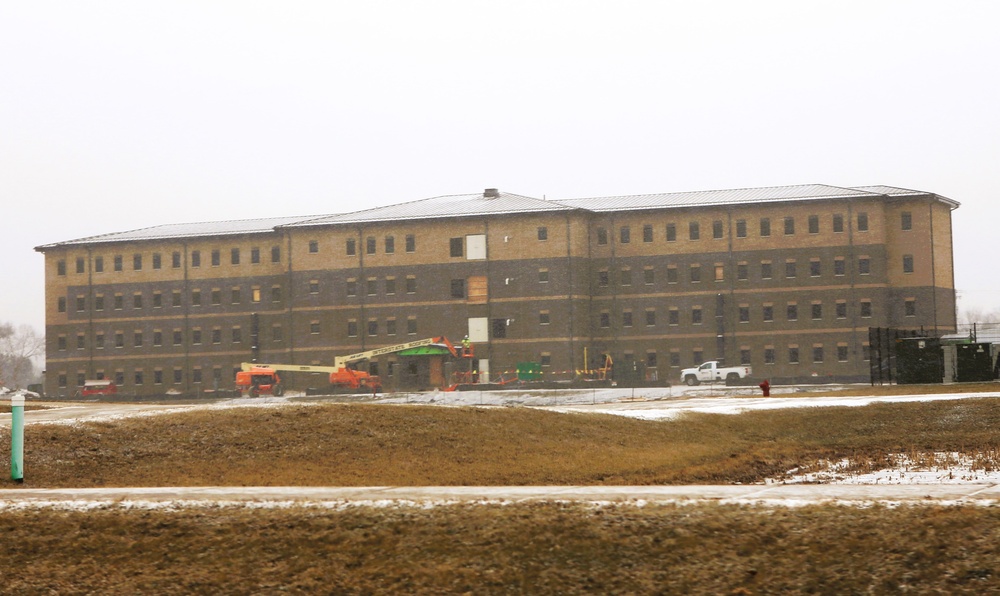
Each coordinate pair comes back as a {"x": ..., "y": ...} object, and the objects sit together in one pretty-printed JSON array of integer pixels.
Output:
[{"x": 766, "y": 388}]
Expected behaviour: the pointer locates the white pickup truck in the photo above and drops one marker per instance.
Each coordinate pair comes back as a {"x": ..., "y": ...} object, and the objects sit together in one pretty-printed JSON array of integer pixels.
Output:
[{"x": 710, "y": 371}]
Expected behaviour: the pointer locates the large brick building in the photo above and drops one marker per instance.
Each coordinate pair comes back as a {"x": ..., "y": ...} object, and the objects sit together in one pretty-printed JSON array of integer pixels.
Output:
[{"x": 788, "y": 279}]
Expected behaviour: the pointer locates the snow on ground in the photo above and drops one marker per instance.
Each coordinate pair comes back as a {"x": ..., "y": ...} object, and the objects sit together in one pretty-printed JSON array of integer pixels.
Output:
[{"x": 937, "y": 468}]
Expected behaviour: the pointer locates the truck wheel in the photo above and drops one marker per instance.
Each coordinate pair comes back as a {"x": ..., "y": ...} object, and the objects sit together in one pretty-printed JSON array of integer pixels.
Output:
[
  {"x": 732, "y": 379},
  {"x": 691, "y": 380},
  {"x": 278, "y": 390},
  {"x": 254, "y": 392}
]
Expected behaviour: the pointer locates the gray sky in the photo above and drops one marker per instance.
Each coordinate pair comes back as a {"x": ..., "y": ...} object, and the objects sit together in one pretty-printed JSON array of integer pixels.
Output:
[{"x": 123, "y": 115}]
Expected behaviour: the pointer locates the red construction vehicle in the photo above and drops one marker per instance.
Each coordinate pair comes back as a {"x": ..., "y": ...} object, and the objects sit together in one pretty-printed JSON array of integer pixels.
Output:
[{"x": 341, "y": 373}]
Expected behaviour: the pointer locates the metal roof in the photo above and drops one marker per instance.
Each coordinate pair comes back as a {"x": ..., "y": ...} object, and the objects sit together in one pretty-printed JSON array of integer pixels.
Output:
[
  {"x": 185, "y": 230},
  {"x": 471, "y": 205},
  {"x": 493, "y": 202}
]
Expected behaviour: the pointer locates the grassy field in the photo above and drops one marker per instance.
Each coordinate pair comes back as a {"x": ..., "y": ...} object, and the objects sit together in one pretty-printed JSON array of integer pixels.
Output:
[{"x": 530, "y": 548}]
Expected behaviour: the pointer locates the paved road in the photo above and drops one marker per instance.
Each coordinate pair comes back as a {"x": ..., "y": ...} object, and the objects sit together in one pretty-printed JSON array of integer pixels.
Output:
[{"x": 776, "y": 494}]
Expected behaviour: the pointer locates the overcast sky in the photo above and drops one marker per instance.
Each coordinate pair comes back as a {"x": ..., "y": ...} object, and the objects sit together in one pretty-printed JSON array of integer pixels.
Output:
[{"x": 123, "y": 115}]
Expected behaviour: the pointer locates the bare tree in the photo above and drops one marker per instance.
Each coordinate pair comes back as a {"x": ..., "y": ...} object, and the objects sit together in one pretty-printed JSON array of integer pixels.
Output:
[{"x": 19, "y": 347}]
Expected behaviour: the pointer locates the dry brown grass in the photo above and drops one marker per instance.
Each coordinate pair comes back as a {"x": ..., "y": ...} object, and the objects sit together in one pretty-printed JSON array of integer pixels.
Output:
[
  {"x": 530, "y": 548},
  {"x": 378, "y": 445}
]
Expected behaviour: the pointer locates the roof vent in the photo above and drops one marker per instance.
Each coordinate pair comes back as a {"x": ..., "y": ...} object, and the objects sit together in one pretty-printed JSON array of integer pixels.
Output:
[{"x": 491, "y": 193}]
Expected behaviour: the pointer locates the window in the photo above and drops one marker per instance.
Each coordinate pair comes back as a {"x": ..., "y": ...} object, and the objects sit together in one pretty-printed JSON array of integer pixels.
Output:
[
  {"x": 793, "y": 354},
  {"x": 717, "y": 229},
  {"x": 216, "y": 297},
  {"x": 625, "y": 235},
  {"x": 390, "y": 245},
  {"x": 906, "y": 220},
  {"x": 275, "y": 293},
  {"x": 137, "y": 300},
  {"x": 673, "y": 316},
  {"x": 910, "y": 307},
  {"x": 720, "y": 273},
  {"x": 602, "y": 236},
  {"x": 671, "y": 232},
  {"x": 862, "y": 222},
  {"x": 742, "y": 271},
  {"x": 745, "y": 356},
  {"x": 650, "y": 359},
  {"x": 741, "y": 228},
  {"x": 626, "y": 318},
  {"x": 603, "y": 279},
  {"x": 81, "y": 265},
  {"x": 371, "y": 286},
  {"x": 605, "y": 320},
  {"x": 647, "y": 233},
  {"x": 792, "y": 312},
  {"x": 390, "y": 285},
  {"x": 864, "y": 265},
  {"x": 99, "y": 341},
  {"x": 235, "y": 295},
  {"x": 814, "y": 224},
  {"x": 117, "y": 264},
  {"x": 650, "y": 318},
  {"x": 411, "y": 243},
  {"x": 765, "y": 226},
  {"x": 458, "y": 288},
  {"x": 695, "y": 272},
  {"x": 119, "y": 301},
  {"x": 276, "y": 333},
  {"x": 196, "y": 336},
  {"x": 196, "y": 258},
  {"x": 137, "y": 262},
  {"x": 696, "y": 315},
  {"x": 694, "y": 232},
  {"x": 351, "y": 287},
  {"x": 175, "y": 298},
  {"x": 390, "y": 327},
  {"x": 818, "y": 354},
  {"x": 275, "y": 254},
  {"x": 626, "y": 277},
  {"x": 314, "y": 327},
  {"x": 838, "y": 223},
  {"x": 157, "y": 337},
  {"x": 138, "y": 377},
  {"x": 314, "y": 246},
  {"x": 671, "y": 274},
  {"x": 697, "y": 356},
  {"x": 411, "y": 326},
  {"x": 234, "y": 256},
  {"x": 372, "y": 328},
  {"x": 767, "y": 312},
  {"x": 314, "y": 286},
  {"x": 768, "y": 355},
  {"x": 411, "y": 285},
  {"x": 765, "y": 270},
  {"x": 175, "y": 260},
  {"x": 352, "y": 329},
  {"x": 543, "y": 233},
  {"x": 789, "y": 226},
  {"x": 455, "y": 247},
  {"x": 744, "y": 313},
  {"x": 217, "y": 335},
  {"x": 157, "y": 299},
  {"x": 866, "y": 308},
  {"x": 255, "y": 255},
  {"x": 99, "y": 264},
  {"x": 815, "y": 269},
  {"x": 137, "y": 339},
  {"x": 499, "y": 328},
  {"x": 648, "y": 277},
  {"x": 352, "y": 248},
  {"x": 99, "y": 302},
  {"x": 158, "y": 377},
  {"x": 61, "y": 304},
  {"x": 543, "y": 317},
  {"x": 907, "y": 263},
  {"x": 839, "y": 266},
  {"x": 178, "y": 337},
  {"x": 61, "y": 268},
  {"x": 841, "y": 309},
  {"x": 370, "y": 245},
  {"x": 545, "y": 359},
  {"x": 789, "y": 269},
  {"x": 841, "y": 353},
  {"x": 675, "y": 359},
  {"x": 543, "y": 276},
  {"x": 817, "y": 311},
  {"x": 195, "y": 297}
]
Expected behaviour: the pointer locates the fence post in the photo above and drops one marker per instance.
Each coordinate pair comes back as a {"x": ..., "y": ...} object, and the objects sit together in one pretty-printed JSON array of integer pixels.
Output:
[{"x": 17, "y": 438}]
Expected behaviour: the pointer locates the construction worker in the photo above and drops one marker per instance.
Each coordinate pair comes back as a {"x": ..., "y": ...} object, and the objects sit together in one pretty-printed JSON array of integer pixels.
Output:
[{"x": 466, "y": 346}]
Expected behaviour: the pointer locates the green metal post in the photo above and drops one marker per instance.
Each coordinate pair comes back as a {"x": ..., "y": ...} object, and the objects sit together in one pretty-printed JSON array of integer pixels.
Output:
[{"x": 17, "y": 438}]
